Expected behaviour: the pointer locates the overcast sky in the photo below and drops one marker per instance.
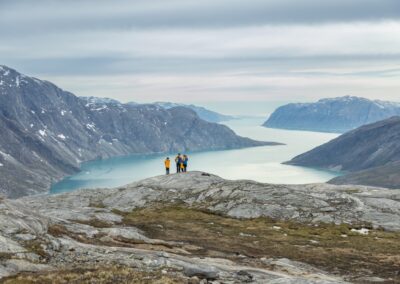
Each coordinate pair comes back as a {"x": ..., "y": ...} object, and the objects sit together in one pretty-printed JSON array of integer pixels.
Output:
[{"x": 208, "y": 50}]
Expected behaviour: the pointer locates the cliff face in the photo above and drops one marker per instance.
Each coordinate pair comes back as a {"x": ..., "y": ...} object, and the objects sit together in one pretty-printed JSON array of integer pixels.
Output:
[
  {"x": 332, "y": 115},
  {"x": 187, "y": 228},
  {"x": 370, "y": 153},
  {"x": 47, "y": 132}
]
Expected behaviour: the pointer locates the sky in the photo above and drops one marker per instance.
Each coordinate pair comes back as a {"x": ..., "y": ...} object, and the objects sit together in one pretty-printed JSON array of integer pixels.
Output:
[{"x": 208, "y": 50}]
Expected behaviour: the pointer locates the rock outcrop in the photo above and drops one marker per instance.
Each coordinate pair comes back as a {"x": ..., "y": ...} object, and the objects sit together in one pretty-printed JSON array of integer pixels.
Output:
[
  {"x": 47, "y": 132},
  {"x": 332, "y": 115},
  {"x": 198, "y": 227},
  {"x": 370, "y": 155}
]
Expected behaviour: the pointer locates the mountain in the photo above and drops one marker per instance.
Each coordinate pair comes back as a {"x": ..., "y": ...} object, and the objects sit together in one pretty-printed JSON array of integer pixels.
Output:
[
  {"x": 203, "y": 113},
  {"x": 47, "y": 132},
  {"x": 332, "y": 115},
  {"x": 200, "y": 228},
  {"x": 370, "y": 154}
]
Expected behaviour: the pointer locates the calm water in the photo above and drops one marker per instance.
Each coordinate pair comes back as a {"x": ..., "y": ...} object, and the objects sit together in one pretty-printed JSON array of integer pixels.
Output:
[{"x": 260, "y": 163}]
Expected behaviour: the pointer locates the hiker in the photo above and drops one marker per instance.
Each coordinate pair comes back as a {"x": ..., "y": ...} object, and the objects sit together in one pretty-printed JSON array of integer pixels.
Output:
[
  {"x": 167, "y": 163},
  {"x": 185, "y": 163},
  {"x": 178, "y": 161}
]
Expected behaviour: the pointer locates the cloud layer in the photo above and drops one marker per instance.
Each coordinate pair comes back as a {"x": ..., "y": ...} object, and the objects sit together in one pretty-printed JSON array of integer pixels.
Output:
[{"x": 186, "y": 50}]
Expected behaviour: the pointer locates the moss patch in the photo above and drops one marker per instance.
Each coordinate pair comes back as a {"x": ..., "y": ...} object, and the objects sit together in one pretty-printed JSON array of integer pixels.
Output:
[{"x": 331, "y": 247}]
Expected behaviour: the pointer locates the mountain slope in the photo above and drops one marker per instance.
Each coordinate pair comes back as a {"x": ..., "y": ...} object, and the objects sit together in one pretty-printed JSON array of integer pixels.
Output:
[
  {"x": 371, "y": 153},
  {"x": 203, "y": 113},
  {"x": 332, "y": 115},
  {"x": 47, "y": 132},
  {"x": 386, "y": 176}
]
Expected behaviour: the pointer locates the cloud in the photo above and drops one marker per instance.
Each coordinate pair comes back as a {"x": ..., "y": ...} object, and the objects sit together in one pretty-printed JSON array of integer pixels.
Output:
[
  {"x": 126, "y": 14},
  {"x": 225, "y": 49}
]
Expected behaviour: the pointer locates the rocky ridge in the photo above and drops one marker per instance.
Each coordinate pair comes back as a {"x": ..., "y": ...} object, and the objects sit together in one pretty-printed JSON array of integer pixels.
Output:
[{"x": 198, "y": 227}]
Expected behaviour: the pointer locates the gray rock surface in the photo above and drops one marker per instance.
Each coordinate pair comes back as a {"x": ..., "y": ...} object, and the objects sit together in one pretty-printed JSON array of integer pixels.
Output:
[
  {"x": 332, "y": 115},
  {"x": 77, "y": 244},
  {"x": 311, "y": 203},
  {"x": 47, "y": 132}
]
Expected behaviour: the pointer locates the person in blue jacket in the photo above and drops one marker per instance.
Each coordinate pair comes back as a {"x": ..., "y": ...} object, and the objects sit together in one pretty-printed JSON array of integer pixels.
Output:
[{"x": 185, "y": 163}]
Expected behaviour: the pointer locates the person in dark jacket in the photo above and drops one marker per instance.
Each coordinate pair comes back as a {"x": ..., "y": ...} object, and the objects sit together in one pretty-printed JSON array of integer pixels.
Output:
[{"x": 178, "y": 161}]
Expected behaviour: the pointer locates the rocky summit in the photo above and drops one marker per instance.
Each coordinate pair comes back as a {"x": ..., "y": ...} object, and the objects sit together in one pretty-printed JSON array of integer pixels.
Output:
[
  {"x": 47, "y": 132},
  {"x": 199, "y": 228}
]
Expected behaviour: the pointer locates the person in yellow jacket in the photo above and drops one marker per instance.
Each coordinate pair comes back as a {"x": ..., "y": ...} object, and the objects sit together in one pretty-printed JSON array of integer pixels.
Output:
[{"x": 167, "y": 164}]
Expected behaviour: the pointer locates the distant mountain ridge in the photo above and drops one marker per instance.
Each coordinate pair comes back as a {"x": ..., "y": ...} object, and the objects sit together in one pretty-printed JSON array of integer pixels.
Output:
[
  {"x": 47, "y": 132},
  {"x": 332, "y": 115},
  {"x": 370, "y": 155},
  {"x": 202, "y": 112}
]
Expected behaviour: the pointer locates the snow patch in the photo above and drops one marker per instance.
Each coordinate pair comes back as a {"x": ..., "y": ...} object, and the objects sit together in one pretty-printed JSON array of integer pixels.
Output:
[
  {"x": 31, "y": 125},
  {"x": 32, "y": 111},
  {"x": 1, "y": 165},
  {"x": 8, "y": 157},
  {"x": 43, "y": 133},
  {"x": 100, "y": 108},
  {"x": 63, "y": 112},
  {"x": 37, "y": 81},
  {"x": 61, "y": 136},
  {"x": 362, "y": 231},
  {"x": 91, "y": 126}
]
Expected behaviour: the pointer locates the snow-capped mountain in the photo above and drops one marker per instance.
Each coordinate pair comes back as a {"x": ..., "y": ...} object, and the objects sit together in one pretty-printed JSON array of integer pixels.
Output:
[
  {"x": 332, "y": 115},
  {"x": 47, "y": 132}
]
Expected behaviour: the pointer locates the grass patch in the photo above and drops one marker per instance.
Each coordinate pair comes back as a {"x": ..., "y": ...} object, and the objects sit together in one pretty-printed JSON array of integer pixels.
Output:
[
  {"x": 94, "y": 223},
  {"x": 352, "y": 190},
  {"x": 36, "y": 246},
  {"x": 5, "y": 256},
  {"x": 97, "y": 205},
  {"x": 100, "y": 275},
  {"x": 327, "y": 246}
]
